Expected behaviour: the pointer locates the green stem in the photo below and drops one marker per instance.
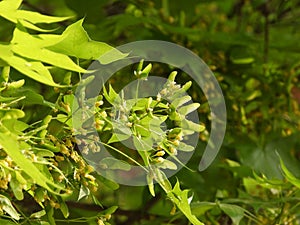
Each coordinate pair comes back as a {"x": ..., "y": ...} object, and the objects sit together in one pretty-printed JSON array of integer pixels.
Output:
[
  {"x": 123, "y": 154},
  {"x": 137, "y": 90}
]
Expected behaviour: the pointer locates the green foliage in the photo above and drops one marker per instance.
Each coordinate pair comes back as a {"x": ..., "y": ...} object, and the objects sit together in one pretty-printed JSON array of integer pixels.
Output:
[
  {"x": 155, "y": 125},
  {"x": 252, "y": 48},
  {"x": 39, "y": 162},
  {"x": 38, "y": 155},
  {"x": 180, "y": 198},
  {"x": 10, "y": 11}
]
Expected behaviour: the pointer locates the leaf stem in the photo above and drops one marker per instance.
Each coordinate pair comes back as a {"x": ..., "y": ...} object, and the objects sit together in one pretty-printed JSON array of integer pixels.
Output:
[{"x": 123, "y": 154}]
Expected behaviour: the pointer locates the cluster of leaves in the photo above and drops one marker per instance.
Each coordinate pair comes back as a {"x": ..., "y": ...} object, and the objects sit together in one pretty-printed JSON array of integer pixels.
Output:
[
  {"x": 251, "y": 46},
  {"x": 41, "y": 165},
  {"x": 154, "y": 127}
]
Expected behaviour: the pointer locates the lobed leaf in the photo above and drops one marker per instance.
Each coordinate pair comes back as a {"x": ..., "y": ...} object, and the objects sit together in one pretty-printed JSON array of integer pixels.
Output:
[
  {"x": 32, "y": 69},
  {"x": 180, "y": 198},
  {"x": 76, "y": 42},
  {"x": 26, "y": 45},
  {"x": 9, "y": 10}
]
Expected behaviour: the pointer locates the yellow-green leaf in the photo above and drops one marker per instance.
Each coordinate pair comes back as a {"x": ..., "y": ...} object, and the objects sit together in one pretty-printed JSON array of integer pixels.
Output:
[
  {"x": 8, "y": 114},
  {"x": 76, "y": 42},
  {"x": 10, "y": 145},
  {"x": 150, "y": 184},
  {"x": 9, "y": 10},
  {"x": 289, "y": 176},
  {"x": 180, "y": 199},
  {"x": 32, "y": 69},
  {"x": 25, "y": 45}
]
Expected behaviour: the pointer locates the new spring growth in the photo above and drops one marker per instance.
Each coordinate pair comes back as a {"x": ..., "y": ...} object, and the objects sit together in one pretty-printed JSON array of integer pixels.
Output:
[
  {"x": 149, "y": 109},
  {"x": 175, "y": 133},
  {"x": 187, "y": 85},
  {"x": 143, "y": 74},
  {"x": 140, "y": 66},
  {"x": 172, "y": 76}
]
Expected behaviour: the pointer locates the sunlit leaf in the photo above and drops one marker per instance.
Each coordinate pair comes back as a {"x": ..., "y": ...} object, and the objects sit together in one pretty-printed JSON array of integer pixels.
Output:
[
  {"x": 76, "y": 42},
  {"x": 142, "y": 144},
  {"x": 9, "y": 10},
  {"x": 10, "y": 145},
  {"x": 8, "y": 114},
  {"x": 118, "y": 137},
  {"x": 162, "y": 179},
  {"x": 25, "y": 45},
  {"x": 186, "y": 148},
  {"x": 32, "y": 69},
  {"x": 150, "y": 184}
]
